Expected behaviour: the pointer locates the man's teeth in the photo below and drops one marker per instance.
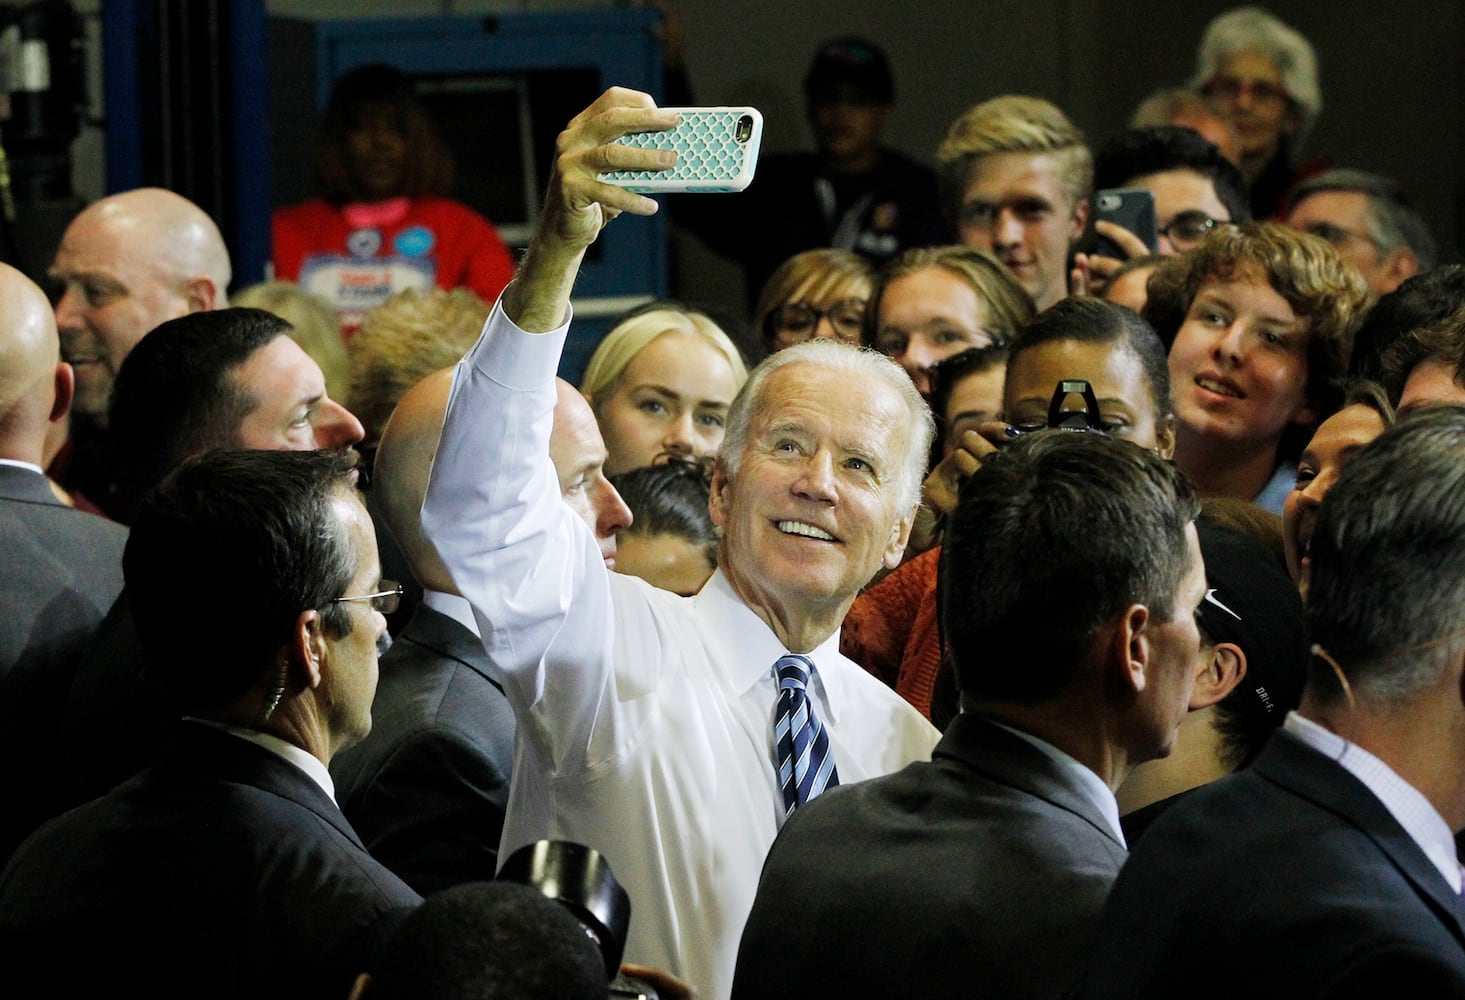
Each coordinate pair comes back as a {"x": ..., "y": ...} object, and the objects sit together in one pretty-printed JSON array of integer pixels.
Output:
[{"x": 807, "y": 530}]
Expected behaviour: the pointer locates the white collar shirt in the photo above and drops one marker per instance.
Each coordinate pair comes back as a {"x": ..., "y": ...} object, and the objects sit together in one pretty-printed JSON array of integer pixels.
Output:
[
  {"x": 644, "y": 718},
  {"x": 1425, "y": 826}
]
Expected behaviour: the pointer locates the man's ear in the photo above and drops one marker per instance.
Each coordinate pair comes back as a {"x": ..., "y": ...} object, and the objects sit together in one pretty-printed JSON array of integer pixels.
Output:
[
  {"x": 1218, "y": 674},
  {"x": 201, "y": 294},
  {"x": 900, "y": 536},
  {"x": 65, "y": 391},
  {"x": 717, "y": 499},
  {"x": 1130, "y": 648},
  {"x": 1079, "y": 221},
  {"x": 1400, "y": 265},
  {"x": 306, "y": 650}
]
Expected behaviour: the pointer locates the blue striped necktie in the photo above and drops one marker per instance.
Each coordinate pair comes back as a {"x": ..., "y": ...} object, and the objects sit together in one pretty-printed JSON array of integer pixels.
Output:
[{"x": 800, "y": 744}]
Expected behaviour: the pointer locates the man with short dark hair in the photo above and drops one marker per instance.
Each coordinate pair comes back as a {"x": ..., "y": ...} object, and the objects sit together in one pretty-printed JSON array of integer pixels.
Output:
[
  {"x": 1069, "y": 582},
  {"x": 488, "y": 941},
  {"x": 1426, "y": 366},
  {"x": 227, "y": 378},
  {"x": 256, "y": 590},
  {"x": 1195, "y": 189},
  {"x": 1328, "y": 867},
  {"x": 1370, "y": 222}
]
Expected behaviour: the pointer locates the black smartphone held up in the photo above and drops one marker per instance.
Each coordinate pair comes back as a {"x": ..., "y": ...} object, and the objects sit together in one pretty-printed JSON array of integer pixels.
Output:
[{"x": 1132, "y": 208}]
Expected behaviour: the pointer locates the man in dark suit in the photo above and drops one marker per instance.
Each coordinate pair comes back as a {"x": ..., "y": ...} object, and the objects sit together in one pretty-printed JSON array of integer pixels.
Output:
[
  {"x": 63, "y": 568},
  {"x": 226, "y": 867},
  {"x": 428, "y": 788},
  {"x": 1328, "y": 868},
  {"x": 219, "y": 378},
  {"x": 1070, "y": 576}
]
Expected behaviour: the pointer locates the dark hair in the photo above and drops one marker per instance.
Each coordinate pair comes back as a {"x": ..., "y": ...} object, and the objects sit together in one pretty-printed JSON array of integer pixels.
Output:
[
  {"x": 223, "y": 557},
  {"x": 173, "y": 396},
  {"x": 948, "y": 373},
  {"x": 1089, "y": 320},
  {"x": 1053, "y": 537},
  {"x": 427, "y": 166},
  {"x": 1423, "y": 300},
  {"x": 1388, "y": 562},
  {"x": 1156, "y": 149},
  {"x": 669, "y": 499},
  {"x": 489, "y": 941},
  {"x": 1443, "y": 341}
]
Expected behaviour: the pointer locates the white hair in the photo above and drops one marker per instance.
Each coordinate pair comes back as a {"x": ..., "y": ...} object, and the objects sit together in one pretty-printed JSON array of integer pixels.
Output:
[{"x": 857, "y": 363}]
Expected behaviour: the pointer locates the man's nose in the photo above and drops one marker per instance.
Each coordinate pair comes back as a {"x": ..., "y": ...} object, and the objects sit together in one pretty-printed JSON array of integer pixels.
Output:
[
  {"x": 1007, "y": 228},
  {"x": 612, "y": 516},
  {"x": 336, "y": 426}
]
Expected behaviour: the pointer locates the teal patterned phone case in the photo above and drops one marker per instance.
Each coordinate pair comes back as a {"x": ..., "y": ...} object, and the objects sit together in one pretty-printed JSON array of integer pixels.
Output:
[{"x": 717, "y": 150}]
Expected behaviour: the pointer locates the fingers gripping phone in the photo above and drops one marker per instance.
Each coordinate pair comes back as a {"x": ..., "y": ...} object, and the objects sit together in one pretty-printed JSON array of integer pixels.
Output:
[
  {"x": 1132, "y": 208},
  {"x": 717, "y": 151}
]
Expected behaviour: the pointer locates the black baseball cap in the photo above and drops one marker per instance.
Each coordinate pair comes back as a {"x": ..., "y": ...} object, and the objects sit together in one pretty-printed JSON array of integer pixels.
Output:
[
  {"x": 850, "y": 62},
  {"x": 1252, "y": 602}
]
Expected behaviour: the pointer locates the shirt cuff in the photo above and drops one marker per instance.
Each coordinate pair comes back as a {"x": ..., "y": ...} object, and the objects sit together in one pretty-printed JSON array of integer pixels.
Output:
[{"x": 515, "y": 358}]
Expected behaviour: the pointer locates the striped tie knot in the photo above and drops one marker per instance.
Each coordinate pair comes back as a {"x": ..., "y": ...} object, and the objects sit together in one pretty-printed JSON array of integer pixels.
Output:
[{"x": 802, "y": 755}]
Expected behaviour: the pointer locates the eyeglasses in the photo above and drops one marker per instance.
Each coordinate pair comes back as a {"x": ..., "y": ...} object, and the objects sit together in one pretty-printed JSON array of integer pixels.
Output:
[
  {"x": 800, "y": 319},
  {"x": 1187, "y": 229},
  {"x": 1336, "y": 235},
  {"x": 385, "y": 601},
  {"x": 1230, "y": 88}
]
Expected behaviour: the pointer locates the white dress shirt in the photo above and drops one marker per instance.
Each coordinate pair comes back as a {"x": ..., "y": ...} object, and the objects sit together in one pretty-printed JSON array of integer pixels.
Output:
[
  {"x": 1425, "y": 826},
  {"x": 644, "y": 719}
]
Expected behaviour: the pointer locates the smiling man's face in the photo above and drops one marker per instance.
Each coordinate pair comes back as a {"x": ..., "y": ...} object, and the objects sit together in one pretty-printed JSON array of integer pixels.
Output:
[{"x": 812, "y": 510}]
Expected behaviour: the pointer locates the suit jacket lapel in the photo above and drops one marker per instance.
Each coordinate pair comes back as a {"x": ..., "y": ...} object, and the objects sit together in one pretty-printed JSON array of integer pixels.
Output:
[
  {"x": 1311, "y": 776},
  {"x": 212, "y": 753},
  {"x": 1009, "y": 759},
  {"x": 445, "y": 637}
]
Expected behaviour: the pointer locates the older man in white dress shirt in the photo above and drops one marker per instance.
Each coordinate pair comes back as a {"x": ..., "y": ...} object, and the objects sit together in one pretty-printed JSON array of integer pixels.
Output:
[{"x": 646, "y": 721}]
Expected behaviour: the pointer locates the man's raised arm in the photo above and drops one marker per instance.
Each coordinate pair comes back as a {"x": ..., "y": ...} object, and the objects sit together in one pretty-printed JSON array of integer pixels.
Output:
[
  {"x": 493, "y": 508},
  {"x": 577, "y": 205}
]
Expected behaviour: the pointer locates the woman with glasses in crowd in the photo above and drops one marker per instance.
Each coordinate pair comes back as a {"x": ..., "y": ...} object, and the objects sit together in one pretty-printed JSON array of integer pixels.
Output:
[
  {"x": 817, "y": 293},
  {"x": 1262, "y": 74}
]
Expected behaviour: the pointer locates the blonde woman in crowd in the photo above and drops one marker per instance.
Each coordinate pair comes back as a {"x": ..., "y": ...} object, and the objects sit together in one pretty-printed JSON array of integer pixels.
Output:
[{"x": 660, "y": 384}]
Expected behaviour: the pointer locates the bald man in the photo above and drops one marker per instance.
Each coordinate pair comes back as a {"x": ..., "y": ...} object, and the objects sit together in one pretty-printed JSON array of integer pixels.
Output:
[
  {"x": 428, "y": 786},
  {"x": 62, "y": 568},
  {"x": 125, "y": 264}
]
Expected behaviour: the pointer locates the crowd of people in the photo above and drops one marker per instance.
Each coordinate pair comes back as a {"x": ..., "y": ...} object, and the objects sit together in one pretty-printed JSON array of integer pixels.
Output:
[{"x": 1030, "y": 607}]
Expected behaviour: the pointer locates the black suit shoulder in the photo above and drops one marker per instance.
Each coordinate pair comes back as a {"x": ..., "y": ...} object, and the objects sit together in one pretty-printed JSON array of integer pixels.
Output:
[
  {"x": 62, "y": 570},
  {"x": 428, "y": 787},
  {"x": 981, "y": 872},
  {"x": 1300, "y": 869},
  {"x": 221, "y": 863}
]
